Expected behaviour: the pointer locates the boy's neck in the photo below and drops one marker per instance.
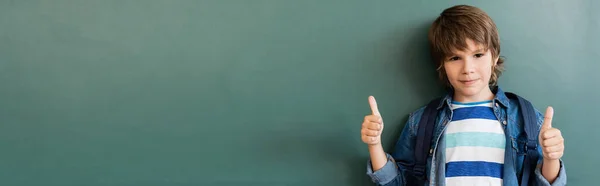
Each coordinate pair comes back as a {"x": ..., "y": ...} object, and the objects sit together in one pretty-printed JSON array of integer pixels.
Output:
[{"x": 484, "y": 95}]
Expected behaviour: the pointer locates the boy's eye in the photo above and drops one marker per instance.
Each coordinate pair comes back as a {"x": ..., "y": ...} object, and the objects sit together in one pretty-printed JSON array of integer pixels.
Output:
[
  {"x": 478, "y": 55},
  {"x": 453, "y": 58}
]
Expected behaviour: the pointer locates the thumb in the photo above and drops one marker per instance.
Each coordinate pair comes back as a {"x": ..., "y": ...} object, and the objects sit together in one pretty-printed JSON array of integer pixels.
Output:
[
  {"x": 548, "y": 118},
  {"x": 373, "y": 105}
]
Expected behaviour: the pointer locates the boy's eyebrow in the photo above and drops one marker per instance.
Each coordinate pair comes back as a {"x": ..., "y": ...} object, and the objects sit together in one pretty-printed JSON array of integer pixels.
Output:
[{"x": 480, "y": 50}]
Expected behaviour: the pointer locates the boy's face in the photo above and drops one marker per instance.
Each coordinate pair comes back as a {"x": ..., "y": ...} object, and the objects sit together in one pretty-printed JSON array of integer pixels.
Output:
[{"x": 469, "y": 72}]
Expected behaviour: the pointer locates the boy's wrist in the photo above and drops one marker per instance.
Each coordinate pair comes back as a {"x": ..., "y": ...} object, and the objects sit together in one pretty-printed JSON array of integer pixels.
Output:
[
  {"x": 376, "y": 149},
  {"x": 551, "y": 162},
  {"x": 375, "y": 146},
  {"x": 550, "y": 169}
]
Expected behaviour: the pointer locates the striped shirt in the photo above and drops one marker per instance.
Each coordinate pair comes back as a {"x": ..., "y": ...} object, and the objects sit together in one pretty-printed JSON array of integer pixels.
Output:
[{"x": 475, "y": 144}]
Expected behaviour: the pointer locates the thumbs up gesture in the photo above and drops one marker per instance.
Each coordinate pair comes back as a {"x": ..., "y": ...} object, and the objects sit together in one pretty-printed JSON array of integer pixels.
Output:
[
  {"x": 550, "y": 138},
  {"x": 372, "y": 125}
]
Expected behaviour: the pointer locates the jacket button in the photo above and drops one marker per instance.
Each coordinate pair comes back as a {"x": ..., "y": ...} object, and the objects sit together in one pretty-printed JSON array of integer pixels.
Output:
[
  {"x": 504, "y": 122},
  {"x": 430, "y": 151},
  {"x": 496, "y": 104}
]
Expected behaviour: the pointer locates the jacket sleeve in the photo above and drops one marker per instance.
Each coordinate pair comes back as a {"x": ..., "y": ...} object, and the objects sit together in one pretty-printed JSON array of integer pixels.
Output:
[
  {"x": 560, "y": 180},
  {"x": 389, "y": 174},
  {"x": 540, "y": 180},
  {"x": 393, "y": 172}
]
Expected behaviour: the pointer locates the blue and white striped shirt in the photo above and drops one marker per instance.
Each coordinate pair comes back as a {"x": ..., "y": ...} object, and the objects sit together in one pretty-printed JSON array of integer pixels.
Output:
[{"x": 475, "y": 144}]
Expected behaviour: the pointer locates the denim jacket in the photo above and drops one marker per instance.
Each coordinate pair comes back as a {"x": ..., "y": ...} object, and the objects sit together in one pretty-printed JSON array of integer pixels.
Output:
[{"x": 508, "y": 113}]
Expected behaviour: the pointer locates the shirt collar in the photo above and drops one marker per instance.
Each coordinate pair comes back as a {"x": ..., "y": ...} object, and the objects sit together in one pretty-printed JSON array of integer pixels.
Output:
[{"x": 500, "y": 97}]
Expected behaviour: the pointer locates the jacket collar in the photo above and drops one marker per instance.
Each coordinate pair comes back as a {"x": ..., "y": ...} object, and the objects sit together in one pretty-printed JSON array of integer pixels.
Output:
[{"x": 500, "y": 97}]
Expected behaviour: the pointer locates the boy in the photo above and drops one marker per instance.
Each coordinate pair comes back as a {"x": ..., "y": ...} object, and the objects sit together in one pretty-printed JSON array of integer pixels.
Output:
[{"x": 478, "y": 135}]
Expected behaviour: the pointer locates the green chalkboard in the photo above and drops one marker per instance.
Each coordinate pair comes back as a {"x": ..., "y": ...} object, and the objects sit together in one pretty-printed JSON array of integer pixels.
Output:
[{"x": 263, "y": 92}]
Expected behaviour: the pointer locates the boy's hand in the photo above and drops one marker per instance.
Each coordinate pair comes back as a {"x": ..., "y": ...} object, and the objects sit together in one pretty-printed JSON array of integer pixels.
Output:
[
  {"x": 372, "y": 125},
  {"x": 550, "y": 138}
]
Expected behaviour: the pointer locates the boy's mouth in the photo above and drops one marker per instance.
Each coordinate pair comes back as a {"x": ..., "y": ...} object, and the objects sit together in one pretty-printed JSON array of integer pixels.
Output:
[{"x": 468, "y": 82}]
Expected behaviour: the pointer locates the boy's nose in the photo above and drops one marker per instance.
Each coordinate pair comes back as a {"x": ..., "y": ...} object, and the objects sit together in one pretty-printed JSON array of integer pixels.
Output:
[{"x": 468, "y": 66}]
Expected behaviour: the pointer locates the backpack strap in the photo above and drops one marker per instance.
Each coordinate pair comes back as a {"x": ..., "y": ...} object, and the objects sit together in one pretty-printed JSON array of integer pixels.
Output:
[
  {"x": 530, "y": 126},
  {"x": 424, "y": 135}
]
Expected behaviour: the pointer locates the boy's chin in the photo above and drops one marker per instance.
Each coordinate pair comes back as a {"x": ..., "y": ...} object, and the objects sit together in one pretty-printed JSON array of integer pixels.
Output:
[{"x": 468, "y": 91}]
